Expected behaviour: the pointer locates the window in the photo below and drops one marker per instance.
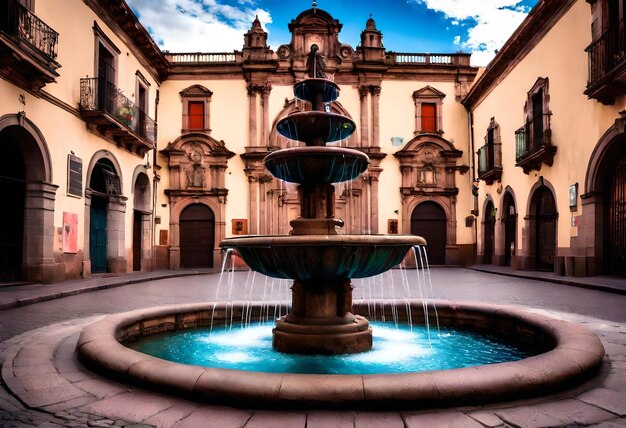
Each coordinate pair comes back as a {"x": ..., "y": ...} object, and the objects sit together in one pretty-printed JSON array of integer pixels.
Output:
[
  {"x": 428, "y": 107},
  {"x": 196, "y": 101},
  {"x": 429, "y": 118},
  {"x": 196, "y": 115}
]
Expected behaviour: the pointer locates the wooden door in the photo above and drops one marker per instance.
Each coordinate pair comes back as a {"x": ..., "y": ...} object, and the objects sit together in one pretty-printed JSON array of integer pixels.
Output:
[
  {"x": 489, "y": 233},
  {"x": 98, "y": 235},
  {"x": 545, "y": 233},
  {"x": 510, "y": 228},
  {"x": 428, "y": 220},
  {"x": 13, "y": 191},
  {"x": 615, "y": 230},
  {"x": 197, "y": 236},
  {"x": 137, "y": 223}
]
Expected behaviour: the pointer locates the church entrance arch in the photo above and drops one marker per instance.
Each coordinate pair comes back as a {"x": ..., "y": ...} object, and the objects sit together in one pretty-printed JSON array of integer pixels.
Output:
[
  {"x": 428, "y": 220},
  {"x": 197, "y": 236}
]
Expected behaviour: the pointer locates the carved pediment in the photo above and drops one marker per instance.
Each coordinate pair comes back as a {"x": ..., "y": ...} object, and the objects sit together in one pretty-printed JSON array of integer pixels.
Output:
[
  {"x": 198, "y": 143},
  {"x": 196, "y": 91},
  {"x": 428, "y": 92}
]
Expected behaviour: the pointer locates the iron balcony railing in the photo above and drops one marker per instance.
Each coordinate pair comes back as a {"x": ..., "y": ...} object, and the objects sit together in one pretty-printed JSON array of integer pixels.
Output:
[
  {"x": 489, "y": 158},
  {"x": 606, "y": 52},
  {"x": 532, "y": 136},
  {"x": 97, "y": 94},
  {"x": 21, "y": 23}
]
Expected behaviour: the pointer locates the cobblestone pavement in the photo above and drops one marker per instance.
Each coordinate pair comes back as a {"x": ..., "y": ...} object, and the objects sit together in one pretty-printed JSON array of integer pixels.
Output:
[{"x": 45, "y": 386}]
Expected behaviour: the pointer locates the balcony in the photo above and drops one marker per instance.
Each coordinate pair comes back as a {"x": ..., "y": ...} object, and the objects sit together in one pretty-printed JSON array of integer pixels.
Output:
[
  {"x": 533, "y": 146},
  {"x": 116, "y": 118},
  {"x": 607, "y": 65},
  {"x": 490, "y": 163},
  {"x": 28, "y": 47}
]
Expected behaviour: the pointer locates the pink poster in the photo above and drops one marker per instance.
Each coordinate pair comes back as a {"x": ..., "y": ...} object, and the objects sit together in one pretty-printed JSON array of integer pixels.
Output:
[{"x": 70, "y": 232}]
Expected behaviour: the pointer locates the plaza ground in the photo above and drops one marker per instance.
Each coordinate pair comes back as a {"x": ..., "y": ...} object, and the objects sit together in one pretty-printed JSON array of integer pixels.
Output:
[{"x": 45, "y": 386}]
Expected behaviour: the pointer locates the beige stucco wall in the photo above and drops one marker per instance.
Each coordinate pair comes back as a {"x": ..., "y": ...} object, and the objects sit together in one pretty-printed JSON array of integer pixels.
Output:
[
  {"x": 64, "y": 131},
  {"x": 577, "y": 123}
]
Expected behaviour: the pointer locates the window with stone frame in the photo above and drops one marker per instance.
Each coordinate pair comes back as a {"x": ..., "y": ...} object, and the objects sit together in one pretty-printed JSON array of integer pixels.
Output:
[
  {"x": 196, "y": 113},
  {"x": 537, "y": 113},
  {"x": 428, "y": 110}
]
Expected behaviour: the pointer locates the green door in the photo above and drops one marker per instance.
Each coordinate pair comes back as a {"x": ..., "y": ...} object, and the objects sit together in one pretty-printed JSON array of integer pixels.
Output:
[{"x": 98, "y": 235}]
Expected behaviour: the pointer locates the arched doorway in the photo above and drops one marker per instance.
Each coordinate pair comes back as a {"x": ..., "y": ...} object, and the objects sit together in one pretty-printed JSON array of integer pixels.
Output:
[
  {"x": 428, "y": 220},
  {"x": 509, "y": 222},
  {"x": 489, "y": 231},
  {"x": 615, "y": 218},
  {"x": 13, "y": 191},
  {"x": 104, "y": 183},
  {"x": 141, "y": 222},
  {"x": 197, "y": 236},
  {"x": 545, "y": 228}
]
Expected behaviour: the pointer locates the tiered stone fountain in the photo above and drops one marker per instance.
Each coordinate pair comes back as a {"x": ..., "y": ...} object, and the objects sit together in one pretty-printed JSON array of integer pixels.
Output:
[{"x": 319, "y": 259}]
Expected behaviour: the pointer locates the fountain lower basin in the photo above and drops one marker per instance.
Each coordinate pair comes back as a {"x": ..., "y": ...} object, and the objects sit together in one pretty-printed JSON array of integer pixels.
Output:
[{"x": 571, "y": 354}]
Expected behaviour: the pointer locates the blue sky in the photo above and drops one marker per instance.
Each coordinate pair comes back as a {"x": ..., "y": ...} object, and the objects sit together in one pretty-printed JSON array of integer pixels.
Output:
[{"x": 436, "y": 26}]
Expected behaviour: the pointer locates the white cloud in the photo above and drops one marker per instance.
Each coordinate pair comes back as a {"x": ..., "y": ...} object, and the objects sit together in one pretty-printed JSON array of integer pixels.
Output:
[
  {"x": 489, "y": 23},
  {"x": 198, "y": 25},
  {"x": 457, "y": 40}
]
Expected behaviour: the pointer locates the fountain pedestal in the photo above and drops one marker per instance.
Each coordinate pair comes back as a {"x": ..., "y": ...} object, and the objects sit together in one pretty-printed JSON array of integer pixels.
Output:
[
  {"x": 319, "y": 259},
  {"x": 320, "y": 321}
]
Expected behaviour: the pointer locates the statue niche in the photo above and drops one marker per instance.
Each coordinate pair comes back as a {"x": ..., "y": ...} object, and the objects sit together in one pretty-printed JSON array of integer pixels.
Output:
[{"x": 195, "y": 172}]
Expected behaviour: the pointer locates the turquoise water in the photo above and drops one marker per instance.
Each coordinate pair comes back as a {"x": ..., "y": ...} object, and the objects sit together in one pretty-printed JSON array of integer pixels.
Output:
[{"x": 396, "y": 350}]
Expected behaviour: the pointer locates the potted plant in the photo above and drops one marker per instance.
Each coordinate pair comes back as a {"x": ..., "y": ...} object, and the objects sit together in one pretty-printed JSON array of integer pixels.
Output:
[{"x": 125, "y": 114}]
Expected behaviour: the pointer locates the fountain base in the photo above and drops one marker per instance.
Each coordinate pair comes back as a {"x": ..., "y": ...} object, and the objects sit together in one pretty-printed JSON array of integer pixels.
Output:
[
  {"x": 321, "y": 321},
  {"x": 349, "y": 334}
]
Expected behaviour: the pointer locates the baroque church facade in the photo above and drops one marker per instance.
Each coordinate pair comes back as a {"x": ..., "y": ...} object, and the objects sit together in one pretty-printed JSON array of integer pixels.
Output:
[{"x": 118, "y": 156}]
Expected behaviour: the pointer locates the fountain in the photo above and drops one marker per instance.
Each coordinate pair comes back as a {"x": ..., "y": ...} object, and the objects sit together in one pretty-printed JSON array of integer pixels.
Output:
[
  {"x": 319, "y": 259},
  {"x": 323, "y": 319}
]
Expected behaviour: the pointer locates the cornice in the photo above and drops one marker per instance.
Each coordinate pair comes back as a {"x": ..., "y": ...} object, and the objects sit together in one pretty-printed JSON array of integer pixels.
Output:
[{"x": 539, "y": 21}]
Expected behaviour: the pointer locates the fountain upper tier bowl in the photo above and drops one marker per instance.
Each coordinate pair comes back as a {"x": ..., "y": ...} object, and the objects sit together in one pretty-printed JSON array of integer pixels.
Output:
[
  {"x": 323, "y": 257},
  {"x": 316, "y": 90},
  {"x": 316, "y": 164}
]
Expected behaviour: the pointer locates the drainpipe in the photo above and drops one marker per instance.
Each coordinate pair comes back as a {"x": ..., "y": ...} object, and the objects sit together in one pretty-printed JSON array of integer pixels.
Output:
[
  {"x": 473, "y": 187},
  {"x": 155, "y": 180}
]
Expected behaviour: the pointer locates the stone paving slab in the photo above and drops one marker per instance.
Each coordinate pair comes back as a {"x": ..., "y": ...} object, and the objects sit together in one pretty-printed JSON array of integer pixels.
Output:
[{"x": 598, "y": 402}]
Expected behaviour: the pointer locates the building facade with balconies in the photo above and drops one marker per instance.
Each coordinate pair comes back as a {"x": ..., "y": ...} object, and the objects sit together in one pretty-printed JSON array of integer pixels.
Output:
[
  {"x": 79, "y": 93},
  {"x": 549, "y": 187}
]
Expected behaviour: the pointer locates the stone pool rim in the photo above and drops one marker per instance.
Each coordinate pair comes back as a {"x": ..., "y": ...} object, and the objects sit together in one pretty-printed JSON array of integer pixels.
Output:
[{"x": 576, "y": 355}]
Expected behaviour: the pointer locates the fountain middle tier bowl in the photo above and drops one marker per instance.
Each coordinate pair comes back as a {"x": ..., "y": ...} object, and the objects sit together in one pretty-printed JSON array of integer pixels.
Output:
[
  {"x": 316, "y": 127},
  {"x": 323, "y": 257},
  {"x": 316, "y": 164}
]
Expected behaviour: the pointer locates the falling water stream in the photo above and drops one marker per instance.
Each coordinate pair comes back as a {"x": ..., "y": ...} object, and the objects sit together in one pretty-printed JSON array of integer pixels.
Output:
[{"x": 243, "y": 343}]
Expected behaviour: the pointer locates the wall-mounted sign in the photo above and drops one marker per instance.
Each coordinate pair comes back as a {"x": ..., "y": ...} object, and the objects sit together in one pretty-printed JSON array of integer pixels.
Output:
[
  {"x": 573, "y": 196},
  {"x": 240, "y": 226},
  {"x": 392, "y": 227},
  {"x": 74, "y": 176}
]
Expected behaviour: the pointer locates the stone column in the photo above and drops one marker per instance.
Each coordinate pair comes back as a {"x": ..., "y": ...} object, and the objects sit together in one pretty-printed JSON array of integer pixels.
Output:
[
  {"x": 253, "y": 213},
  {"x": 39, "y": 263},
  {"x": 375, "y": 116},
  {"x": 116, "y": 247},
  {"x": 265, "y": 107},
  {"x": 364, "y": 116},
  {"x": 252, "y": 122}
]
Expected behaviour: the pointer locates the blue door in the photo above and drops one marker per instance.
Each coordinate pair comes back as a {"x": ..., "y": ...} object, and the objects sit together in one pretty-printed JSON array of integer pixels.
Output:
[{"x": 98, "y": 235}]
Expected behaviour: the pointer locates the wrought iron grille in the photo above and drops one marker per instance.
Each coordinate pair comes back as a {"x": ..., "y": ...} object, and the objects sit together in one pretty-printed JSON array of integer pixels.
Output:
[
  {"x": 20, "y": 22},
  {"x": 527, "y": 139},
  {"x": 606, "y": 52},
  {"x": 489, "y": 158},
  {"x": 98, "y": 94}
]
